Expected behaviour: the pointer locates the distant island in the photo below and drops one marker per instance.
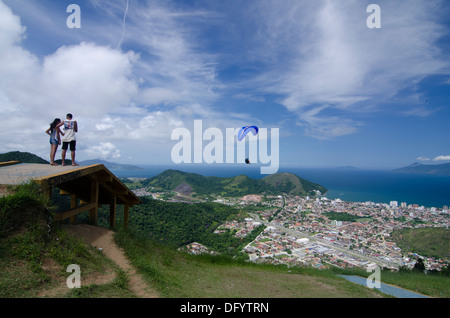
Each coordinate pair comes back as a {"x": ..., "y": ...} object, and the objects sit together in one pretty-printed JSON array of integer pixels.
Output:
[
  {"x": 347, "y": 168},
  {"x": 187, "y": 183},
  {"x": 111, "y": 165},
  {"x": 418, "y": 168}
]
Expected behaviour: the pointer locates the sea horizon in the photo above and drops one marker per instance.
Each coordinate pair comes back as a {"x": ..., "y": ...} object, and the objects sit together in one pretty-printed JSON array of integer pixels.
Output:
[{"x": 347, "y": 184}]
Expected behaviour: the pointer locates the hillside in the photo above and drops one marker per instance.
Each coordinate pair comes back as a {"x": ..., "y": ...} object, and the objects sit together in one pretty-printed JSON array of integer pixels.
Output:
[
  {"x": 292, "y": 184},
  {"x": 24, "y": 157},
  {"x": 178, "y": 224},
  {"x": 36, "y": 253},
  {"x": 417, "y": 168},
  {"x": 431, "y": 242},
  {"x": 234, "y": 186}
]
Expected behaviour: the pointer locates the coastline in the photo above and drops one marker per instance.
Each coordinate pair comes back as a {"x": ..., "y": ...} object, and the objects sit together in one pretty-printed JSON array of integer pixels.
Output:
[{"x": 355, "y": 185}]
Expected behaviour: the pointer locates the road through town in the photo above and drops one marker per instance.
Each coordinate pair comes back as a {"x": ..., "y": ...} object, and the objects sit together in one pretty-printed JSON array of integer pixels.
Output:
[{"x": 299, "y": 234}]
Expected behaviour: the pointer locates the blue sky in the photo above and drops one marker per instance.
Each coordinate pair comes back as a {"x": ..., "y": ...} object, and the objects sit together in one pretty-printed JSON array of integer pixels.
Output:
[{"x": 339, "y": 92}]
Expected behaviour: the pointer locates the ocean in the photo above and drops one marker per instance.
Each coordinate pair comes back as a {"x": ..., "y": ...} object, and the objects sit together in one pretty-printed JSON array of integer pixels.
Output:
[{"x": 379, "y": 186}]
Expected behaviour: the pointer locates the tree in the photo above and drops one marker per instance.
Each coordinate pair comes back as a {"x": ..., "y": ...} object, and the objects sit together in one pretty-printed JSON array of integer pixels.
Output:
[{"x": 419, "y": 266}]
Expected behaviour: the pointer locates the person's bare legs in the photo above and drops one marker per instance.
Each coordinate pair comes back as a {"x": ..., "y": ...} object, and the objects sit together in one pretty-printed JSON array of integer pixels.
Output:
[
  {"x": 53, "y": 150},
  {"x": 63, "y": 157},
  {"x": 72, "y": 153}
]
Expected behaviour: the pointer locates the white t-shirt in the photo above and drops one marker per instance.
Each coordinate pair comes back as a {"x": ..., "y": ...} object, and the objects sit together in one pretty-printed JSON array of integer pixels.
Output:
[{"x": 69, "y": 133}]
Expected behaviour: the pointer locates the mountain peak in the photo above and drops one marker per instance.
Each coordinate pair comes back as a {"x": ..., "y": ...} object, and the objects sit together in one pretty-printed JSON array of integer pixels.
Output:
[
  {"x": 235, "y": 186},
  {"x": 418, "y": 168}
]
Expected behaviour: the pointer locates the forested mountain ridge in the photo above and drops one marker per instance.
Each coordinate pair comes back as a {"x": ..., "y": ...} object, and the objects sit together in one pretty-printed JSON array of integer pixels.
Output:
[
  {"x": 275, "y": 184},
  {"x": 24, "y": 157}
]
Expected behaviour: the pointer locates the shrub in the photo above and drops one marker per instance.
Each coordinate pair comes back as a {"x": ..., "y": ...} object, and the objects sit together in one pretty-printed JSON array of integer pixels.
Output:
[{"x": 26, "y": 206}]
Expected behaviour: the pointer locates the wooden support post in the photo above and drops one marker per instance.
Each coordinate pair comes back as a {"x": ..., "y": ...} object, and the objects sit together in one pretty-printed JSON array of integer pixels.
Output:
[
  {"x": 112, "y": 212},
  {"x": 47, "y": 191},
  {"x": 73, "y": 204},
  {"x": 126, "y": 215},
  {"x": 93, "y": 213}
]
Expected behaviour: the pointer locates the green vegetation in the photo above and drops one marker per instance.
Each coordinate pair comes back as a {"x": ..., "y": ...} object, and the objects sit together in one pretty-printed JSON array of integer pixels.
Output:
[
  {"x": 433, "y": 285},
  {"x": 24, "y": 157},
  {"x": 24, "y": 207},
  {"x": 291, "y": 184},
  {"x": 342, "y": 216},
  {"x": 431, "y": 242},
  {"x": 178, "y": 224},
  {"x": 35, "y": 252},
  {"x": 234, "y": 186},
  {"x": 179, "y": 275}
]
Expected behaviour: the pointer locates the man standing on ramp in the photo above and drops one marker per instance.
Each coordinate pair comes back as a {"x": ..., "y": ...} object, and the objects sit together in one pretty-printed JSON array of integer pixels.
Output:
[{"x": 70, "y": 130}]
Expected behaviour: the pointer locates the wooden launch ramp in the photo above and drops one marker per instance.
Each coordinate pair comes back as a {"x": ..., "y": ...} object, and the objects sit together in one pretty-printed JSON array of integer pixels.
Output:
[{"x": 89, "y": 187}]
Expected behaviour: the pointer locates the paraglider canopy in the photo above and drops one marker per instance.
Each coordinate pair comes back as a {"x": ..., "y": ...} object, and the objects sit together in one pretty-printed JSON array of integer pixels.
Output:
[{"x": 245, "y": 130}]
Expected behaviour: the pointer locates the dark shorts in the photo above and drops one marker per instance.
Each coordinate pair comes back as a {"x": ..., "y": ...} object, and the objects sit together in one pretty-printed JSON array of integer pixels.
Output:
[{"x": 72, "y": 143}]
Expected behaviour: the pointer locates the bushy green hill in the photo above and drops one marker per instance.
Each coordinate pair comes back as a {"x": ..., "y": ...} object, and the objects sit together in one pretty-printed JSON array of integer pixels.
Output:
[
  {"x": 24, "y": 157},
  {"x": 431, "y": 242},
  {"x": 235, "y": 186},
  {"x": 292, "y": 184}
]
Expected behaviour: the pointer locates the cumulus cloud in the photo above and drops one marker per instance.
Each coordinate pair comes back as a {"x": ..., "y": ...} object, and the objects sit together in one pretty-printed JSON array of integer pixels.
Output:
[
  {"x": 105, "y": 150},
  {"x": 112, "y": 93},
  {"x": 442, "y": 158},
  {"x": 88, "y": 79}
]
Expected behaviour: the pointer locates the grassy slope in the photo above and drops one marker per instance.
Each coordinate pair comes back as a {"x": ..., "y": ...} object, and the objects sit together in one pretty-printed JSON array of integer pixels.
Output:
[
  {"x": 431, "y": 242},
  {"x": 35, "y": 253},
  {"x": 180, "y": 275},
  {"x": 33, "y": 261}
]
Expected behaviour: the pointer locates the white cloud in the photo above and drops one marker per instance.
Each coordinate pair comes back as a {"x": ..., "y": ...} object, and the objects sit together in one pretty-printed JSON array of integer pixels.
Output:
[
  {"x": 111, "y": 93},
  {"x": 12, "y": 30},
  {"x": 105, "y": 150},
  {"x": 318, "y": 57},
  {"x": 327, "y": 57},
  {"x": 423, "y": 158},
  {"x": 88, "y": 79},
  {"x": 442, "y": 158},
  {"x": 176, "y": 69}
]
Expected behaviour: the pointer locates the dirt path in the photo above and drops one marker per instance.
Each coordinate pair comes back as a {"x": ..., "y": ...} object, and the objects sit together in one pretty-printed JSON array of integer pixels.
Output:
[{"x": 100, "y": 237}]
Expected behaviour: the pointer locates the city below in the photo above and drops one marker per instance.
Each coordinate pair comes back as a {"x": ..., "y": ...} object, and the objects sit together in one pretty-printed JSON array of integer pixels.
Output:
[{"x": 300, "y": 231}]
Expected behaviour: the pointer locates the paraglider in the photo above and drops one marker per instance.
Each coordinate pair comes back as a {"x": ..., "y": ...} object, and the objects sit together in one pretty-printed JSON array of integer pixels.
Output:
[{"x": 245, "y": 130}]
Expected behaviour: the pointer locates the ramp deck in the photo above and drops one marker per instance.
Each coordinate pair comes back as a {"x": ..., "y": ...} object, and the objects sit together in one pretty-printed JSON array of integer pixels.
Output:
[{"x": 89, "y": 187}]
